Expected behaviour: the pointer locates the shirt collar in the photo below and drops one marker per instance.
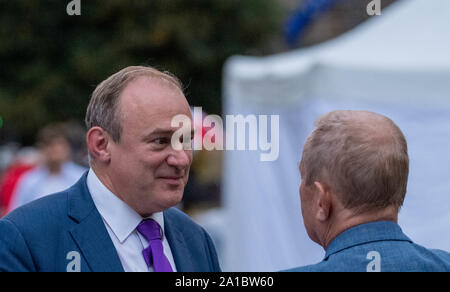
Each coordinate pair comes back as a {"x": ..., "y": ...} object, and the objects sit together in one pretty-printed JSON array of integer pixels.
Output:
[
  {"x": 120, "y": 217},
  {"x": 364, "y": 233}
]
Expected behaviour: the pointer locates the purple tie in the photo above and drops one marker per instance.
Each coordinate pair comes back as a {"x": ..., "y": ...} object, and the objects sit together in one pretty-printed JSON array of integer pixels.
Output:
[{"x": 154, "y": 253}]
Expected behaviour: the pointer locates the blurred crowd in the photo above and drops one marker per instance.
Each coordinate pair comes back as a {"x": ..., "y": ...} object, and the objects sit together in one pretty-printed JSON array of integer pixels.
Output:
[{"x": 56, "y": 162}]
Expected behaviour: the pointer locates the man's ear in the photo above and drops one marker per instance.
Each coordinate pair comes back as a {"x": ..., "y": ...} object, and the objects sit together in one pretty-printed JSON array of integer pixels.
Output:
[
  {"x": 323, "y": 202},
  {"x": 97, "y": 141}
]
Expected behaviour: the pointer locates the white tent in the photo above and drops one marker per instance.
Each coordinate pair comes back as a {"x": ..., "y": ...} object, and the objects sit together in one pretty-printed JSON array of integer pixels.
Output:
[{"x": 397, "y": 64}]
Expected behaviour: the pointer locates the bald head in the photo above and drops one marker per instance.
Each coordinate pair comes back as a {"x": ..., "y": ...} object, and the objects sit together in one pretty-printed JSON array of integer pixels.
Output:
[
  {"x": 103, "y": 107},
  {"x": 362, "y": 156}
]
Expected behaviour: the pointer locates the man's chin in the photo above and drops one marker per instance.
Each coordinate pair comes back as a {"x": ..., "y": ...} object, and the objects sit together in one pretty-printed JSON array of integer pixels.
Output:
[
  {"x": 170, "y": 199},
  {"x": 160, "y": 206}
]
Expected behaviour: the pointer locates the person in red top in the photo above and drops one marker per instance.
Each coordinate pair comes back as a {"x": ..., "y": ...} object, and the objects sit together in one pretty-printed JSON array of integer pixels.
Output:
[{"x": 25, "y": 161}]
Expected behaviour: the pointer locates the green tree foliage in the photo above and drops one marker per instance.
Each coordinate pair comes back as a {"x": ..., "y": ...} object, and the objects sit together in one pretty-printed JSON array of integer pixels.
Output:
[{"x": 51, "y": 62}]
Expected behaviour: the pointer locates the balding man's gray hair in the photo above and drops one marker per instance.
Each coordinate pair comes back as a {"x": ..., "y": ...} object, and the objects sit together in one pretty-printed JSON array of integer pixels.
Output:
[
  {"x": 103, "y": 107},
  {"x": 362, "y": 156}
]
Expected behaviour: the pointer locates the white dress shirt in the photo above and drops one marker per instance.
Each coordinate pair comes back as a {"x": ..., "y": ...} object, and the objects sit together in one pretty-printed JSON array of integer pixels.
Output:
[{"x": 121, "y": 222}]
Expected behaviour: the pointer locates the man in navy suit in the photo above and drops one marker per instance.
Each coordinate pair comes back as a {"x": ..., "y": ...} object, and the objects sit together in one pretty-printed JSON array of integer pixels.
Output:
[
  {"x": 119, "y": 215},
  {"x": 354, "y": 172}
]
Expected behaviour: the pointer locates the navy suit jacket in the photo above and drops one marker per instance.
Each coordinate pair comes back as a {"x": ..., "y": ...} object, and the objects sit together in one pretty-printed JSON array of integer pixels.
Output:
[
  {"x": 45, "y": 234},
  {"x": 378, "y": 246}
]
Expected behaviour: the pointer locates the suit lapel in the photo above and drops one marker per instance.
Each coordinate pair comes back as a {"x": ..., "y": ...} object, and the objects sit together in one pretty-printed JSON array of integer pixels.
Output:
[
  {"x": 96, "y": 245},
  {"x": 177, "y": 241},
  {"x": 90, "y": 232}
]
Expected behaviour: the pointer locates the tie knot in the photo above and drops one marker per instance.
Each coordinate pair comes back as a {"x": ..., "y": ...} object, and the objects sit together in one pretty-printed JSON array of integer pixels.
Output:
[{"x": 150, "y": 229}]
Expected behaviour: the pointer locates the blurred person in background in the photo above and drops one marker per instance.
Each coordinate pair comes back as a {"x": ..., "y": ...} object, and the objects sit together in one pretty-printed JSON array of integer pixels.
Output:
[
  {"x": 354, "y": 171},
  {"x": 56, "y": 173},
  {"x": 25, "y": 160},
  {"x": 76, "y": 134}
]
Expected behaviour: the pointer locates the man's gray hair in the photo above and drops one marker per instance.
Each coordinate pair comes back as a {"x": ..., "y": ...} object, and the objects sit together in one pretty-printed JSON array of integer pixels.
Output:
[
  {"x": 361, "y": 156},
  {"x": 103, "y": 107}
]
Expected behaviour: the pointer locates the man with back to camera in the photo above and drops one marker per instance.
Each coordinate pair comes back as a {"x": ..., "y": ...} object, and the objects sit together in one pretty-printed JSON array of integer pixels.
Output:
[
  {"x": 119, "y": 215},
  {"x": 354, "y": 172}
]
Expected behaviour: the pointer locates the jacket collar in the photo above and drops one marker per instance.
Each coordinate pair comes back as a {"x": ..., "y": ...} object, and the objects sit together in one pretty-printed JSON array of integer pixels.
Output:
[
  {"x": 178, "y": 240},
  {"x": 365, "y": 233},
  {"x": 94, "y": 242},
  {"x": 90, "y": 233},
  {"x": 120, "y": 217},
  {"x": 80, "y": 203}
]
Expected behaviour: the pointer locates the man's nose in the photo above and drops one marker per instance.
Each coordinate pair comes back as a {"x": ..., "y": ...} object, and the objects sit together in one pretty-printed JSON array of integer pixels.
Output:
[{"x": 180, "y": 159}]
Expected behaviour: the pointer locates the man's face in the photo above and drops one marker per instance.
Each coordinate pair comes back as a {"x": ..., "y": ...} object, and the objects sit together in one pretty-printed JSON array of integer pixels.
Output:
[
  {"x": 145, "y": 171},
  {"x": 56, "y": 152}
]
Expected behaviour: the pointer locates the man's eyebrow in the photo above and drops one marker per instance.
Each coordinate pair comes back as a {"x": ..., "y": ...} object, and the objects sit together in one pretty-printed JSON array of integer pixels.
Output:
[
  {"x": 164, "y": 131},
  {"x": 161, "y": 131},
  {"x": 158, "y": 131}
]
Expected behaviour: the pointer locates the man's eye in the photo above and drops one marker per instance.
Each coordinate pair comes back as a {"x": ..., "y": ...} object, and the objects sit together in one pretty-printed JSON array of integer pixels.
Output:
[{"x": 161, "y": 141}]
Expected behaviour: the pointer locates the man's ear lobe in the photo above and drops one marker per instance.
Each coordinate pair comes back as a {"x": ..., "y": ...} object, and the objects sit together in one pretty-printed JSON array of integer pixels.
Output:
[
  {"x": 97, "y": 141},
  {"x": 323, "y": 201}
]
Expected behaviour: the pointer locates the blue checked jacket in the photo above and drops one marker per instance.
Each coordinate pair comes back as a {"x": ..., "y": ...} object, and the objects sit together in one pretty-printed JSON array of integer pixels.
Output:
[{"x": 378, "y": 246}]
